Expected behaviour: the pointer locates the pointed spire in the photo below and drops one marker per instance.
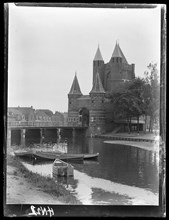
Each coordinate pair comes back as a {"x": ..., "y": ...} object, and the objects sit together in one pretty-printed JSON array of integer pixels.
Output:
[
  {"x": 97, "y": 86},
  {"x": 75, "y": 89},
  {"x": 98, "y": 55},
  {"x": 123, "y": 57},
  {"x": 118, "y": 53}
]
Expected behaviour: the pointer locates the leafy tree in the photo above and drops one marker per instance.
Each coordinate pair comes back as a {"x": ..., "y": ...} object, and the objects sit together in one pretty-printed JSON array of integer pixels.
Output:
[
  {"x": 137, "y": 97},
  {"x": 128, "y": 101},
  {"x": 152, "y": 94}
]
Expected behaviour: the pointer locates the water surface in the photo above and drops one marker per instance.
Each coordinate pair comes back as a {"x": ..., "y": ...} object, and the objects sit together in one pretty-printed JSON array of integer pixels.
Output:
[{"x": 122, "y": 175}]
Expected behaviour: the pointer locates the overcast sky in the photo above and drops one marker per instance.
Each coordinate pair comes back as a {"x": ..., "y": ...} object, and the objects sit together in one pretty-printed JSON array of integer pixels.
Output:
[{"x": 47, "y": 46}]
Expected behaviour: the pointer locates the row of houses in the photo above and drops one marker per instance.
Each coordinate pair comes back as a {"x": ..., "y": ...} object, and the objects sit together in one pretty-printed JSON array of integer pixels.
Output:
[{"x": 29, "y": 114}]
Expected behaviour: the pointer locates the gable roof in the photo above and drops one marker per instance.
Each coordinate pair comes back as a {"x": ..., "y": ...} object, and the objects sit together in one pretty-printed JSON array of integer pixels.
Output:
[
  {"x": 25, "y": 110},
  {"x": 98, "y": 55},
  {"x": 40, "y": 113},
  {"x": 75, "y": 89},
  {"x": 46, "y": 111},
  {"x": 97, "y": 86},
  {"x": 14, "y": 111}
]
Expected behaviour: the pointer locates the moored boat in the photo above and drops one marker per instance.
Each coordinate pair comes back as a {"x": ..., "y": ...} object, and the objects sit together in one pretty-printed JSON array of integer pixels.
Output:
[
  {"x": 62, "y": 156},
  {"x": 61, "y": 168},
  {"x": 52, "y": 155},
  {"x": 23, "y": 153},
  {"x": 91, "y": 156}
]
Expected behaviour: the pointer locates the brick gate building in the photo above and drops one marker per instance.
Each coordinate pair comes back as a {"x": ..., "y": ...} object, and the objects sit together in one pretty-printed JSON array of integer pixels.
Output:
[{"x": 94, "y": 110}]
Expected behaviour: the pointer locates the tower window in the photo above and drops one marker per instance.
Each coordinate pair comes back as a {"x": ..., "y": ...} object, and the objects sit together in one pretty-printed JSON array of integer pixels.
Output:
[
  {"x": 70, "y": 103},
  {"x": 117, "y": 59}
]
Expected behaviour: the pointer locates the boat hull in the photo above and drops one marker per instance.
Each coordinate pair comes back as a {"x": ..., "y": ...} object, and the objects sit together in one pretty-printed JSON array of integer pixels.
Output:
[
  {"x": 51, "y": 155},
  {"x": 60, "y": 168}
]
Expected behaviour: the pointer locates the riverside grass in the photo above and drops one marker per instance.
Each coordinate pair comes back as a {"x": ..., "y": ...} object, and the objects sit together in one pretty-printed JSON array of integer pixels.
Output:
[{"x": 46, "y": 184}]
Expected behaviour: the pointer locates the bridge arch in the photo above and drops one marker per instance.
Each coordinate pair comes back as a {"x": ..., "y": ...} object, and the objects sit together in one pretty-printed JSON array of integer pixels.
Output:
[{"x": 84, "y": 116}]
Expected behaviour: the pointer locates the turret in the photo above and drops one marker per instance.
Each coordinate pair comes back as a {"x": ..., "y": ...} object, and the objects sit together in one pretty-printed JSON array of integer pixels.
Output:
[
  {"x": 97, "y": 94},
  {"x": 97, "y": 112},
  {"x": 133, "y": 70},
  {"x": 98, "y": 62},
  {"x": 116, "y": 56},
  {"x": 74, "y": 93}
]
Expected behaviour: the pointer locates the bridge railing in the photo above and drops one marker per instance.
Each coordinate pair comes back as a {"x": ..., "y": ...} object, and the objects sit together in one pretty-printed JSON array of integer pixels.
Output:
[
  {"x": 37, "y": 124},
  {"x": 33, "y": 124}
]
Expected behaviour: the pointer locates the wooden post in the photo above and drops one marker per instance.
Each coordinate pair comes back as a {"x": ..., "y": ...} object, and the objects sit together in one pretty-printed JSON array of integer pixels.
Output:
[
  {"x": 41, "y": 136},
  {"x": 73, "y": 133},
  {"x": 23, "y": 131},
  {"x": 138, "y": 129},
  {"x": 8, "y": 137}
]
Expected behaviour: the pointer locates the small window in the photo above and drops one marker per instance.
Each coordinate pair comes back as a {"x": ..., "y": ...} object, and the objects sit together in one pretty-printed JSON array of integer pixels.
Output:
[
  {"x": 113, "y": 59},
  {"x": 117, "y": 59},
  {"x": 92, "y": 101},
  {"x": 70, "y": 102}
]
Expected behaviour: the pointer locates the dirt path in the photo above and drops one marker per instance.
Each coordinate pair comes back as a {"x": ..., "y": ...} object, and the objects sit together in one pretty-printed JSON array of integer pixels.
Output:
[{"x": 19, "y": 191}]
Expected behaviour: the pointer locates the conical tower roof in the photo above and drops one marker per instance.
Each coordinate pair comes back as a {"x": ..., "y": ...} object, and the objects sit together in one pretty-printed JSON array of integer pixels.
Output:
[
  {"x": 98, "y": 55},
  {"x": 97, "y": 86},
  {"x": 118, "y": 53},
  {"x": 75, "y": 89},
  {"x": 123, "y": 57}
]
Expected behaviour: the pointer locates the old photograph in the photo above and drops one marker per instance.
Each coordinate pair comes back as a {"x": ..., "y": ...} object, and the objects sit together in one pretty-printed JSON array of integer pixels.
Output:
[{"x": 83, "y": 106}]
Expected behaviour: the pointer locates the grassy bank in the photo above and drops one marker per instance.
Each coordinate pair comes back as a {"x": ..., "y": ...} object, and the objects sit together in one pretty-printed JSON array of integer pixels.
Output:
[{"x": 46, "y": 184}]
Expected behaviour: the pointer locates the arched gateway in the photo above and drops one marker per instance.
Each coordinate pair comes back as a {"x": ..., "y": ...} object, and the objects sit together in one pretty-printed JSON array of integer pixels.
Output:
[{"x": 84, "y": 116}]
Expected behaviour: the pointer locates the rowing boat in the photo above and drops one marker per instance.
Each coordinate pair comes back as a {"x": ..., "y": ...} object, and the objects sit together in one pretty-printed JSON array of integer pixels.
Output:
[
  {"x": 60, "y": 168},
  {"x": 52, "y": 155}
]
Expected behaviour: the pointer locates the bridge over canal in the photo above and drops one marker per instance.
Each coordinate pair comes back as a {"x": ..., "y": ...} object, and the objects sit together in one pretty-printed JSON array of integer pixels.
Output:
[{"x": 24, "y": 127}]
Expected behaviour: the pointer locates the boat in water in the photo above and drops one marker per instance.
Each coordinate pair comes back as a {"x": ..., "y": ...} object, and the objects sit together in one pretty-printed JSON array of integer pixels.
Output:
[
  {"x": 52, "y": 155},
  {"x": 41, "y": 155}
]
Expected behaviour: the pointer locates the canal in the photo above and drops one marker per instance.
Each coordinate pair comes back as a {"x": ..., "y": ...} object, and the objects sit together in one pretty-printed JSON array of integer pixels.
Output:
[{"x": 122, "y": 175}]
